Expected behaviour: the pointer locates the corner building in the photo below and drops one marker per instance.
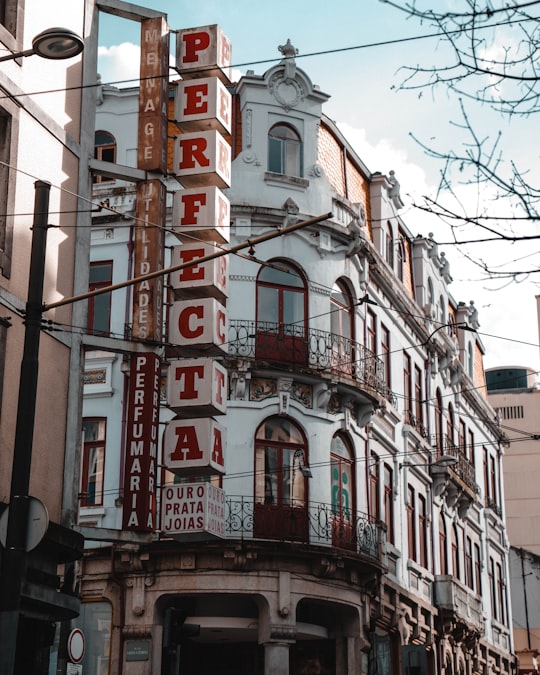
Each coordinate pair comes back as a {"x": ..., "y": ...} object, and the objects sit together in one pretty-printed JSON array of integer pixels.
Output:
[{"x": 356, "y": 536}]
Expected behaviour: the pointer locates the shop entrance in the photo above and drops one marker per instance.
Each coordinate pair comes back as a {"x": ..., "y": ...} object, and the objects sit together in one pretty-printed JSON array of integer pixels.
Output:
[{"x": 203, "y": 658}]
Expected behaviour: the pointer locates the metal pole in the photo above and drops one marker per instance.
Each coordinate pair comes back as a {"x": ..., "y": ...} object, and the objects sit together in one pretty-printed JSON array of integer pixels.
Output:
[{"x": 14, "y": 556}]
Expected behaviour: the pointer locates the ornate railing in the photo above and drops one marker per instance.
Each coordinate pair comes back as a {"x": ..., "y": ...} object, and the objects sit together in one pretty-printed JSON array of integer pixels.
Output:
[
  {"x": 312, "y": 523},
  {"x": 292, "y": 345},
  {"x": 463, "y": 467}
]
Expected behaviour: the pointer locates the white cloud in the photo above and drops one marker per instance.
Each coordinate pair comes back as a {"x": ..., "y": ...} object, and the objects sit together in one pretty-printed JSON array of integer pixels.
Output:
[{"x": 119, "y": 64}]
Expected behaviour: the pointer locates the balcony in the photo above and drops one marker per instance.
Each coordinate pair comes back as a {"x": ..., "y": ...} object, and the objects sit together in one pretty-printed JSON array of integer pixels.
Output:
[
  {"x": 293, "y": 346},
  {"x": 313, "y": 523},
  {"x": 459, "y": 605},
  {"x": 463, "y": 469}
]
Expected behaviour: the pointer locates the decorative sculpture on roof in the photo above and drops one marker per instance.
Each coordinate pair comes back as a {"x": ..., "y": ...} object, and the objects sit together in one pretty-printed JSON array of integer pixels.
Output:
[
  {"x": 289, "y": 51},
  {"x": 393, "y": 190}
]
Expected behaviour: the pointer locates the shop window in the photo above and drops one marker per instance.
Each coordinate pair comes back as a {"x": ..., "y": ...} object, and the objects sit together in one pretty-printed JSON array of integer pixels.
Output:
[
  {"x": 104, "y": 150},
  {"x": 281, "y": 314},
  {"x": 281, "y": 482},
  {"x": 99, "y": 306},
  {"x": 284, "y": 150},
  {"x": 414, "y": 659},
  {"x": 93, "y": 461}
]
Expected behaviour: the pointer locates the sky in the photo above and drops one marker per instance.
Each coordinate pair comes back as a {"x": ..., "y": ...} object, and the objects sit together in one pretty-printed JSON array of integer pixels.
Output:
[{"x": 367, "y": 46}]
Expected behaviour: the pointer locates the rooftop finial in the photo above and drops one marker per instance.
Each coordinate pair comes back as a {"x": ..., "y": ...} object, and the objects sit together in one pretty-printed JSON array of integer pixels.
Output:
[{"x": 289, "y": 51}]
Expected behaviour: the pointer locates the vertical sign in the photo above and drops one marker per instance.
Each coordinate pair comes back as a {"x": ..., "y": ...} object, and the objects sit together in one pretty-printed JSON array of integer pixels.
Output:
[
  {"x": 145, "y": 372},
  {"x": 141, "y": 449},
  {"x": 153, "y": 96},
  {"x": 149, "y": 240}
]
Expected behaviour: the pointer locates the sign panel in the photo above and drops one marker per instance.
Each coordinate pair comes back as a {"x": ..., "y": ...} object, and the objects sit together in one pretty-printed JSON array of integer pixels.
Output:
[
  {"x": 194, "y": 447},
  {"x": 141, "y": 443},
  {"x": 137, "y": 650},
  {"x": 153, "y": 96},
  {"x": 193, "y": 509},
  {"x": 202, "y": 158},
  {"x": 207, "y": 279},
  {"x": 203, "y": 211},
  {"x": 148, "y": 257},
  {"x": 202, "y": 52},
  {"x": 203, "y": 104},
  {"x": 199, "y": 324},
  {"x": 197, "y": 387}
]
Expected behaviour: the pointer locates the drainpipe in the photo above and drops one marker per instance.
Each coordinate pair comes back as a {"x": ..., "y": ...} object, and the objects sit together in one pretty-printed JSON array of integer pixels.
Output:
[{"x": 525, "y": 599}]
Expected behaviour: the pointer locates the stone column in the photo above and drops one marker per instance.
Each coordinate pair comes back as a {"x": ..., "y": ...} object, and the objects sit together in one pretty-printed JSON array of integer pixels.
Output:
[{"x": 276, "y": 658}]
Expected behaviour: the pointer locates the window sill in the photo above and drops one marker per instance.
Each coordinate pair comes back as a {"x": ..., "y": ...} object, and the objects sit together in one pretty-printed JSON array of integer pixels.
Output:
[{"x": 290, "y": 181}]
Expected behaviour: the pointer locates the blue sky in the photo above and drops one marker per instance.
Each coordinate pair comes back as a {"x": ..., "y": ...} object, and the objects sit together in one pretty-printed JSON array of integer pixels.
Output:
[{"x": 376, "y": 117}]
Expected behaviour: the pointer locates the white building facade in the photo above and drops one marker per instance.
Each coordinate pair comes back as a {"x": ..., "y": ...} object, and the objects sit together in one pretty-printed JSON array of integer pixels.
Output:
[{"x": 356, "y": 538}]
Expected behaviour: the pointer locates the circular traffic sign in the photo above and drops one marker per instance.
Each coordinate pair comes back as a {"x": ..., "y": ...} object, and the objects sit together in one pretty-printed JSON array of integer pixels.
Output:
[{"x": 76, "y": 645}]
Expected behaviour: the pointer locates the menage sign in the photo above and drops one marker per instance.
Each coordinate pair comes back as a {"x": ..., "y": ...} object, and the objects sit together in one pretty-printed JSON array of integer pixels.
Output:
[{"x": 194, "y": 442}]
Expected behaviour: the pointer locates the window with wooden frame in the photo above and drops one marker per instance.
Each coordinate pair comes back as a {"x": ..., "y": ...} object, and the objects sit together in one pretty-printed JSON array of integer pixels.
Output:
[
  {"x": 374, "y": 507},
  {"x": 388, "y": 502},
  {"x": 443, "y": 552},
  {"x": 423, "y": 556},
  {"x": 411, "y": 523},
  {"x": 104, "y": 150},
  {"x": 385, "y": 355},
  {"x": 93, "y": 461},
  {"x": 285, "y": 150},
  {"x": 99, "y": 306}
]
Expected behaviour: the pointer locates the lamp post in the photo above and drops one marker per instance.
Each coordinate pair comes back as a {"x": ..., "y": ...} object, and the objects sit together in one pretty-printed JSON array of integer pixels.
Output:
[{"x": 54, "y": 43}]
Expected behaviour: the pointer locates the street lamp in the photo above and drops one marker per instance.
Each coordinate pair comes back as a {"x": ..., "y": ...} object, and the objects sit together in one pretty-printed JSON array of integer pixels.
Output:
[{"x": 53, "y": 43}]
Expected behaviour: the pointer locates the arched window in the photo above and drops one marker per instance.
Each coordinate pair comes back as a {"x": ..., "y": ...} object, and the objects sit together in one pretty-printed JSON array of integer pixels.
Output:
[
  {"x": 443, "y": 553},
  {"x": 104, "y": 149},
  {"x": 284, "y": 150},
  {"x": 342, "y": 327},
  {"x": 281, "y": 314},
  {"x": 281, "y": 483},
  {"x": 343, "y": 492}
]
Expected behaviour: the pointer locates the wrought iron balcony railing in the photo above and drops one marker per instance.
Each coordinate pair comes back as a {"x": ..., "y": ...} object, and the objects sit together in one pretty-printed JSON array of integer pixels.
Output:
[
  {"x": 294, "y": 345},
  {"x": 463, "y": 468},
  {"x": 312, "y": 523}
]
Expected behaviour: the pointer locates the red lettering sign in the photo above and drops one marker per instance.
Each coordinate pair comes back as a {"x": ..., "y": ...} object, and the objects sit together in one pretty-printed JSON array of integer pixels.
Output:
[
  {"x": 206, "y": 279},
  {"x": 200, "y": 324},
  {"x": 194, "y": 447},
  {"x": 205, "y": 49},
  {"x": 139, "y": 509},
  {"x": 197, "y": 387},
  {"x": 202, "y": 105},
  {"x": 204, "y": 211},
  {"x": 202, "y": 158}
]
